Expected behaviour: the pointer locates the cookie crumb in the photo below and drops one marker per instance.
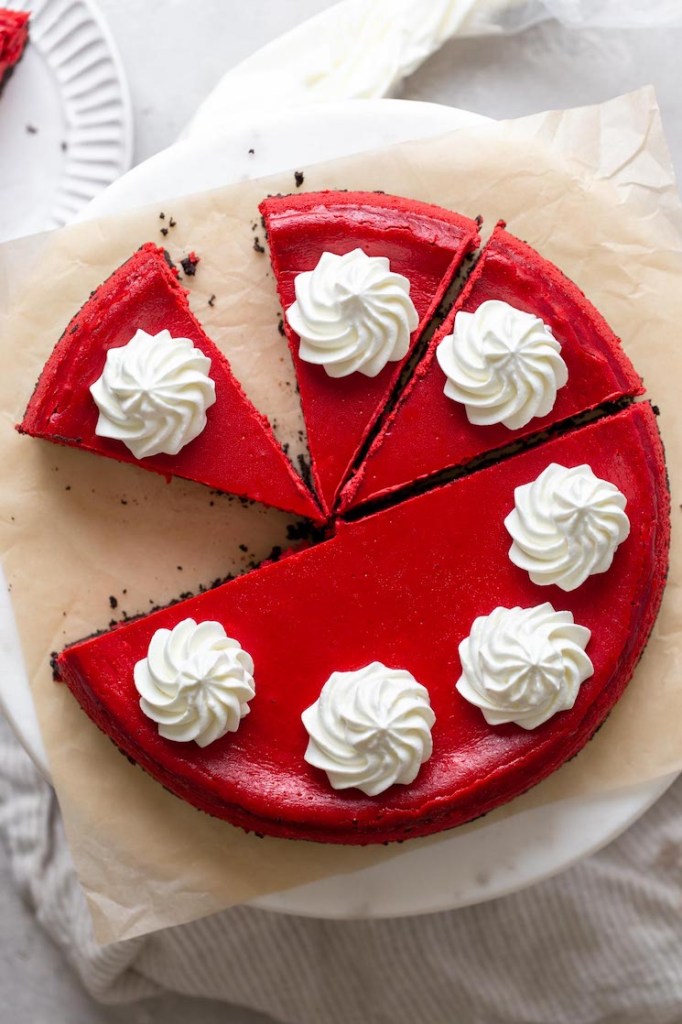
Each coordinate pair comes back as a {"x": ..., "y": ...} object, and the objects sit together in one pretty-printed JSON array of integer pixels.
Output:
[
  {"x": 257, "y": 246},
  {"x": 251, "y": 152},
  {"x": 113, "y": 602},
  {"x": 164, "y": 231},
  {"x": 211, "y": 301},
  {"x": 298, "y": 178},
  {"x": 189, "y": 264},
  {"x": 31, "y": 129}
]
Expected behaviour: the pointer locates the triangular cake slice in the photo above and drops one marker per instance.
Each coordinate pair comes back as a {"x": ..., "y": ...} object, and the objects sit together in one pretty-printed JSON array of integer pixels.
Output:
[
  {"x": 401, "y": 587},
  {"x": 236, "y": 451},
  {"x": 428, "y": 431},
  {"x": 13, "y": 39},
  {"x": 423, "y": 243}
]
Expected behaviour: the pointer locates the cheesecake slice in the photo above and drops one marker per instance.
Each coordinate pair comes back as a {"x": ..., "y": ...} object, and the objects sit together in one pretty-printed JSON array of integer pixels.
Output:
[
  {"x": 75, "y": 403},
  {"x": 362, "y": 309}
]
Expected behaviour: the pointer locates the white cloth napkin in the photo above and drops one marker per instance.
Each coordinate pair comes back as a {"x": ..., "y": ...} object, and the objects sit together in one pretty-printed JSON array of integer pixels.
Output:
[
  {"x": 359, "y": 49},
  {"x": 599, "y": 943}
]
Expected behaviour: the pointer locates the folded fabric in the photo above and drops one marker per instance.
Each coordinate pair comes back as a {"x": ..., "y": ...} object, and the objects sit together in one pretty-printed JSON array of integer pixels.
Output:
[{"x": 598, "y": 943}]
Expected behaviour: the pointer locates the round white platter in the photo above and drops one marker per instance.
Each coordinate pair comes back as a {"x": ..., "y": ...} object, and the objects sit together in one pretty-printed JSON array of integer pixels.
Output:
[
  {"x": 464, "y": 867},
  {"x": 65, "y": 118}
]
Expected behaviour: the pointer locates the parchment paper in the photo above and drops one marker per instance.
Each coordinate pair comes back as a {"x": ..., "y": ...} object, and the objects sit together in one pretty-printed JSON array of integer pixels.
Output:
[{"x": 592, "y": 188}]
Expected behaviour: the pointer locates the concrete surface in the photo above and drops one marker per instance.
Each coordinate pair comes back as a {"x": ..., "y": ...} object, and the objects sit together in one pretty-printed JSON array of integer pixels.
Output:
[{"x": 38, "y": 987}]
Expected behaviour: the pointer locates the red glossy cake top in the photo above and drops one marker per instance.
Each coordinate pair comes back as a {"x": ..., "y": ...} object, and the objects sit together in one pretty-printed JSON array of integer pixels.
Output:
[
  {"x": 424, "y": 243},
  {"x": 402, "y": 587},
  {"x": 428, "y": 432},
  {"x": 235, "y": 452}
]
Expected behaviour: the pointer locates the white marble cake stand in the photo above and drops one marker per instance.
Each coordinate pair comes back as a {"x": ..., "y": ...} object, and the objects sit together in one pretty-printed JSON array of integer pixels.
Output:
[{"x": 464, "y": 868}]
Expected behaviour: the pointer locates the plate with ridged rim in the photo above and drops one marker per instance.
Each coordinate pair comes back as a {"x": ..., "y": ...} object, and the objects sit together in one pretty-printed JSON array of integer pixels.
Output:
[{"x": 66, "y": 126}]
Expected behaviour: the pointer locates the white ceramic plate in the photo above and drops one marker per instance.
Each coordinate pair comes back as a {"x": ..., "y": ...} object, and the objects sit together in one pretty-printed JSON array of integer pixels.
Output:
[
  {"x": 463, "y": 868},
  {"x": 65, "y": 118}
]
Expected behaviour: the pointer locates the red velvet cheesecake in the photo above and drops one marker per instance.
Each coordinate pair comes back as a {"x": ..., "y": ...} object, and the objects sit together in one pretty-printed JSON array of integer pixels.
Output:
[
  {"x": 430, "y": 661},
  {"x": 13, "y": 39},
  {"x": 423, "y": 243},
  {"x": 427, "y": 432},
  {"x": 403, "y": 587},
  {"x": 236, "y": 451}
]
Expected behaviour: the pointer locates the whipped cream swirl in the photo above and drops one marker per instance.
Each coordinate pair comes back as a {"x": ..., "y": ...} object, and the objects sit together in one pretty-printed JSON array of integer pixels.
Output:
[
  {"x": 504, "y": 365},
  {"x": 522, "y": 665},
  {"x": 352, "y": 313},
  {"x": 153, "y": 394},
  {"x": 370, "y": 728},
  {"x": 195, "y": 682},
  {"x": 566, "y": 525}
]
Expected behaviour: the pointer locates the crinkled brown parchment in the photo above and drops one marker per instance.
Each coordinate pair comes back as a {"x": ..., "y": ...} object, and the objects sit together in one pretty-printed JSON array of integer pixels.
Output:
[{"x": 591, "y": 188}]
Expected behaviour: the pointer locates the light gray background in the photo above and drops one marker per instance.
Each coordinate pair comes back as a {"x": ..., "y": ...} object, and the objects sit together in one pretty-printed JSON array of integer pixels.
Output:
[{"x": 174, "y": 51}]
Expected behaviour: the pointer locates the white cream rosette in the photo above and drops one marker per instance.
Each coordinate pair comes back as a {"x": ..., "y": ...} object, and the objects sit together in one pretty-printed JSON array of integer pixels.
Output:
[
  {"x": 566, "y": 525},
  {"x": 352, "y": 314},
  {"x": 153, "y": 394},
  {"x": 523, "y": 665},
  {"x": 504, "y": 365},
  {"x": 195, "y": 682},
  {"x": 370, "y": 729}
]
